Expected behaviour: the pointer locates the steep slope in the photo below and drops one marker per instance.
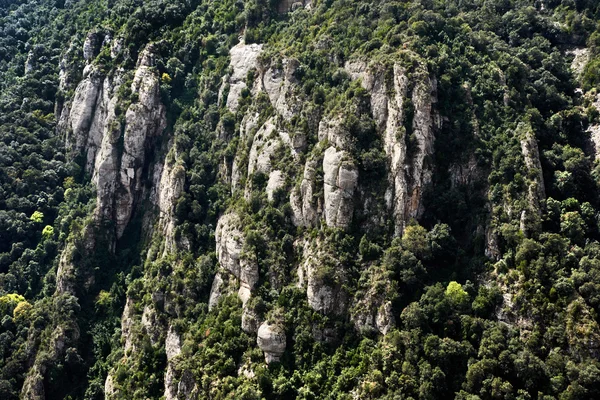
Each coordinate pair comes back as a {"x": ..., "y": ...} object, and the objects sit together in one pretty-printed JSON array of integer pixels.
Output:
[{"x": 318, "y": 199}]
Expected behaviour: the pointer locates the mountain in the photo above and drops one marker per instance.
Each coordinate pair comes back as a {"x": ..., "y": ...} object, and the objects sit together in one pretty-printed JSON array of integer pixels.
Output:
[{"x": 275, "y": 199}]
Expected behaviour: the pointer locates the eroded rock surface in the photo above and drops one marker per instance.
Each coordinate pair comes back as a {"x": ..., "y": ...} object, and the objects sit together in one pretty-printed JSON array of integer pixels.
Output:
[
  {"x": 244, "y": 58},
  {"x": 304, "y": 199},
  {"x": 230, "y": 242},
  {"x": 272, "y": 341},
  {"x": 279, "y": 83},
  {"x": 409, "y": 171},
  {"x": 340, "y": 181}
]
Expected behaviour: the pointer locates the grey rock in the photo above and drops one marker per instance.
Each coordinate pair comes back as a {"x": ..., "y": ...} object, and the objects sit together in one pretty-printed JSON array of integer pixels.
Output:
[
  {"x": 340, "y": 181},
  {"x": 244, "y": 57},
  {"x": 407, "y": 175},
  {"x": 276, "y": 182},
  {"x": 279, "y": 83},
  {"x": 229, "y": 245},
  {"x": 303, "y": 199},
  {"x": 272, "y": 341}
]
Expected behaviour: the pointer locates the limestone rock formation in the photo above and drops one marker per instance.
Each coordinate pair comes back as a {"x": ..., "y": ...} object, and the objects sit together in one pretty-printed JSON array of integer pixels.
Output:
[
  {"x": 409, "y": 173},
  {"x": 372, "y": 311},
  {"x": 322, "y": 275},
  {"x": 168, "y": 186},
  {"x": 244, "y": 58},
  {"x": 276, "y": 182},
  {"x": 279, "y": 83},
  {"x": 172, "y": 350},
  {"x": 271, "y": 340},
  {"x": 303, "y": 199},
  {"x": 340, "y": 181},
  {"x": 263, "y": 147},
  {"x": 229, "y": 245}
]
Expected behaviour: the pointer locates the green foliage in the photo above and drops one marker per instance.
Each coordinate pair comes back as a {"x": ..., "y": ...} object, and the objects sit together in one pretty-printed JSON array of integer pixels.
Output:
[
  {"x": 456, "y": 294},
  {"x": 531, "y": 329}
]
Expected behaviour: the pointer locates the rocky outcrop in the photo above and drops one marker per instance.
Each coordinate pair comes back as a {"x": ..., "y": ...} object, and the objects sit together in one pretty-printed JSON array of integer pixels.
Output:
[
  {"x": 530, "y": 217},
  {"x": 304, "y": 199},
  {"x": 33, "y": 387},
  {"x": 286, "y": 6},
  {"x": 333, "y": 131},
  {"x": 279, "y": 83},
  {"x": 127, "y": 324},
  {"x": 263, "y": 147},
  {"x": 409, "y": 171},
  {"x": 340, "y": 181},
  {"x": 581, "y": 56},
  {"x": 229, "y": 245},
  {"x": 531, "y": 155},
  {"x": 244, "y": 58},
  {"x": 372, "y": 311},
  {"x": 91, "y": 45},
  {"x": 172, "y": 350},
  {"x": 144, "y": 120},
  {"x": 276, "y": 182},
  {"x": 168, "y": 186},
  {"x": 321, "y": 273},
  {"x": 94, "y": 128},
  {"x": 250, "y": 320},
  {"x": 151, "y": 324},
  {"x": 272, "y": 341}
]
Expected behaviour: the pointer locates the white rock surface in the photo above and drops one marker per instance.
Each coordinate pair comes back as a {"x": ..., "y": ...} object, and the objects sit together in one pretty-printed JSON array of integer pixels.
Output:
[
  {"x": 168, "y": 190},
  {"x": 263, "y": 147},
  {"x": 172, "y": 350},
  {"x": 229, "y": 244},
  {"x": 216, "y": 291},
  {"x": 581, "y": 56},
  {"x": 407, "y": 175},
  {"x": 244, "y": 57},
  {"x": 90, "y": 45},
  {"x": 531, "y": 155},
  {"x": 272, "y": 341},
  {"x": 276, "y": 182},
  {"x": 303, "y": 200},
  {"x": 332, "y": 131},
  {"x": 324, "y": 297},
  {"x": 340, "y": 181},
  {"x": 250, "y": 321},
  {"x": 279, "y": 83}
]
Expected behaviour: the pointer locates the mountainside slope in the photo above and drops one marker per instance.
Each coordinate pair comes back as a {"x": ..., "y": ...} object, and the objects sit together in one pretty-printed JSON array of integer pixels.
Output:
[{"x": 313, "y": 199}]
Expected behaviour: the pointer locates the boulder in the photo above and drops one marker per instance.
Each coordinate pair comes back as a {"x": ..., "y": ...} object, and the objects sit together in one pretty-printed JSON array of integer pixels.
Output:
[{"x": 272, "y": 341}]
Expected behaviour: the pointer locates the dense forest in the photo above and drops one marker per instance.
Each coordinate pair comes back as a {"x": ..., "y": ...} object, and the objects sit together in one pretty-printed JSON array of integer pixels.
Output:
[{"x": 278, "y": 199}]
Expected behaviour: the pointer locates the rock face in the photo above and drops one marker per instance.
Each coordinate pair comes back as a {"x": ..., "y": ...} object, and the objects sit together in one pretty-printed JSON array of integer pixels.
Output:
[
  {"x": 168, "y": 189},
  {"x": 292, "y": 5},
  {"x": 304, "y": 200},
  {"x": 91, "y": 45},
  {"x": 371, "y": 311},
  {"x": 172, "y": 349},
  {"x": 230, "y": 243},
  {"x": 279, "y": 83},
  {"x": 272, "y": 341},
  {"x": 244, "y": 58},
  {"x": 94, "y": 128},
  {"x": 581, "y": 56},
  {"x": 536, "y": 190},
  {"x": 409, "y": 171},
  {"x": 276, "y": 182},
  {"x": 322, "y": 275},
  {"x": 144, "y": 120},
  {"x": 264, "y": 144},
  {"x": 340, "y": 180}
]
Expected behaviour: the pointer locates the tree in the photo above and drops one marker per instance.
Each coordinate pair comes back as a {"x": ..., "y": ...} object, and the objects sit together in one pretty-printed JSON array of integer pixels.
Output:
[{"x": 456, "y": 294}]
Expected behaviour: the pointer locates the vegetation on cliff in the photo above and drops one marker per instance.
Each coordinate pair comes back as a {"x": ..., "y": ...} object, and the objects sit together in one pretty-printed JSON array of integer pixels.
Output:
[{"x": 315, "y": 199}]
